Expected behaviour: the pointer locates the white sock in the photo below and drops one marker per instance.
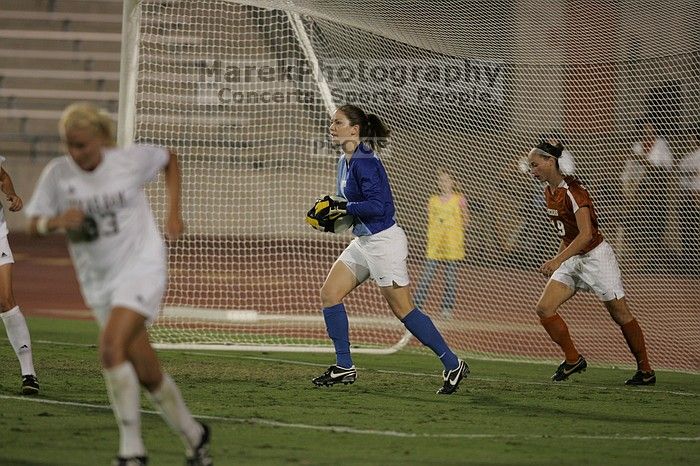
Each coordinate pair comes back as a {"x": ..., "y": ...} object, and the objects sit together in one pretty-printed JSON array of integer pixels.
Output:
[
  {"x": 18, "y": 333},
  {"x": 125, "y": 394},
  {"x": 169, "y": 402}
]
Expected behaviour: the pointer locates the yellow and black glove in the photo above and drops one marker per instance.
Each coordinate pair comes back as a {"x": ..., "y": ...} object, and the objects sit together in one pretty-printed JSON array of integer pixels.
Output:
[{"x": 329, "y": 214}]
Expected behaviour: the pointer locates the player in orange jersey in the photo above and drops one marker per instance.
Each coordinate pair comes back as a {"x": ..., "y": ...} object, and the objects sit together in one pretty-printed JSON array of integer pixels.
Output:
[{"x": 585, "y": 261}]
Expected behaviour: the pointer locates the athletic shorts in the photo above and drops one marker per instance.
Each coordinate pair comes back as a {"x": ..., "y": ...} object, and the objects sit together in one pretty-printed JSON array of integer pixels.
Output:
[
  {"x": 381, "y": 257},
  {"x": 6, "y": 256},
  {"x": 139, "y": 288},
  {"x": 595, "y": 271}
]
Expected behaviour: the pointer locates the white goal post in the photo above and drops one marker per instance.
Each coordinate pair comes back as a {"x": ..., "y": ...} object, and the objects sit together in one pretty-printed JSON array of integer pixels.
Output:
[{"x": 242, "y": 90}]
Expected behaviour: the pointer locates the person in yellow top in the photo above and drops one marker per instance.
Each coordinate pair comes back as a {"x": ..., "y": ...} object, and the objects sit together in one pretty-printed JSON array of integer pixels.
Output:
[{"x": 448, "y": 217}]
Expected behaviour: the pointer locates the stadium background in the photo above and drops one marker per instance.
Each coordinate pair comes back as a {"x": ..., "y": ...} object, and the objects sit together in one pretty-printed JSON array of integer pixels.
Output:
[{"x": 56, "y": 52}]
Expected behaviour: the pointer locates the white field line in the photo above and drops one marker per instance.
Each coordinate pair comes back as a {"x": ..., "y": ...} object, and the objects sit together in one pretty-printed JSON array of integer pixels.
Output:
[
  {"x": 352, "y": 430},
  {"x": 385, "y": 371},
  {"x": 66, "y": 343}
]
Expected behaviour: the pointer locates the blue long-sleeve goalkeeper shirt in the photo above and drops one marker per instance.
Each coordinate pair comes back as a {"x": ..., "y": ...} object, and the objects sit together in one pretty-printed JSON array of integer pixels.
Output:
[{"x": 364, "y": 183}]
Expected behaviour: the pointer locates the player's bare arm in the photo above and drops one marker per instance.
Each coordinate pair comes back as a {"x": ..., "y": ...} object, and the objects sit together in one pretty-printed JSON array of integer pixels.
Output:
[
  {"x": 585, "y": 229},
  {"x": 70, "y": 219},
  {"x": 9, "y": 189},
  {"x": 174, "y": 226}
]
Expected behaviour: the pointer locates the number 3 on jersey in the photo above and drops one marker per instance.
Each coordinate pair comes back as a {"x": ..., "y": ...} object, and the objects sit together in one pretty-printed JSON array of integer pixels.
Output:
[
  {"x": 93, "y": 227},
  {"x": 108, "y": 224},
  {"x": 559, "y": 226}
]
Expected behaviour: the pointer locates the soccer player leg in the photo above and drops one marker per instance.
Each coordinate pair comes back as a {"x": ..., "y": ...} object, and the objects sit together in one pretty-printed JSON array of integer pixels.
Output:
[
  {"x": 601, "y": 273},
  {"x": 134, "y": 300},
  {"x": 134, "y": 305},
  {"x": 167, "y": 398},
  {"x": 634, "y": 337},
  {"x": 122, "y": 381},
  {"x": 171, "y": 405},
  {"x": 346, "y": 274},
  {"x": 139, "y": 293},
  {"x": 386, "y": 258},
  {"x": 559, "y": 289},
  {"x": 419, "y": 324},
  {"x": 123, "y": 317},
  {"x": 125, "y": 397},
  {"x": 15, "y": 324},
  {"x": 423, "y": 328}
]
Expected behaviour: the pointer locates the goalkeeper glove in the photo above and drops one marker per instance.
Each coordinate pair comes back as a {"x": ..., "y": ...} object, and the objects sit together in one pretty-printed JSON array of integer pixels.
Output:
[
  {"x": 317, "y": 224},
  {"x": 330, "y": 207}
]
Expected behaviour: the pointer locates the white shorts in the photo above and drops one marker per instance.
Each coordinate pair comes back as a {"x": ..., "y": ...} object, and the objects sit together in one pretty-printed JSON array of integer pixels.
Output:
[
  {"x": 595, "y": 271},
  {"x": 6, "y": 256},
  {"x": 139, "y": 288},
  {"x": 381, "y": 257}
]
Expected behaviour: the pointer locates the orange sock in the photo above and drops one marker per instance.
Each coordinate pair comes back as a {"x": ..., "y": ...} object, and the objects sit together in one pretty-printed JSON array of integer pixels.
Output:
[
  {"x": 559, "y": 333},
  {"x": 635, "y": 340}
]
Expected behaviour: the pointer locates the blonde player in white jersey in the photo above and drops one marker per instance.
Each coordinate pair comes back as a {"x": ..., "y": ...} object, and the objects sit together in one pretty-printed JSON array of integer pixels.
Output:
[
  {"x": 96, "y": 195},
  {"x": 15, "y": 325}
]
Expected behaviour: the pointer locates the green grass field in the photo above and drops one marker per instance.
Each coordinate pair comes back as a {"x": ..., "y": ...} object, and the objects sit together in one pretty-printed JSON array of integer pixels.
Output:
[{"x": 263, "y": 410}]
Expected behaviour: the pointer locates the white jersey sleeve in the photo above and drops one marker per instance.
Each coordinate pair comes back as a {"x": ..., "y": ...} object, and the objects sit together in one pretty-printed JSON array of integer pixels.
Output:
[
  {"x": 147, "y": 160},
  {"x": 44, "y": 201}
]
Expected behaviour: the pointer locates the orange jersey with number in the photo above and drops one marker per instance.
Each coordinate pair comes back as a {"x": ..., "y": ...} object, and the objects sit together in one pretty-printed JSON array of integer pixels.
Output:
[{"x": 562, "y": 204}]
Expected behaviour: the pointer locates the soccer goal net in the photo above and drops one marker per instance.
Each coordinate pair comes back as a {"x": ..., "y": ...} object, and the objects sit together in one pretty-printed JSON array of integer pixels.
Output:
[{"x": 243, "y": 92}]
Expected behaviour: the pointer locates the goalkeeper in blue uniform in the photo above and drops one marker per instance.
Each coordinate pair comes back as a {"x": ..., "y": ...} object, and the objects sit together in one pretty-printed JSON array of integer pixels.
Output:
[{"x": 379, "y": 250}]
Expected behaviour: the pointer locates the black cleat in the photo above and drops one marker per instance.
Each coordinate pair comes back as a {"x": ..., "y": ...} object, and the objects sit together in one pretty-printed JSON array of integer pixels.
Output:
[
  {"x": 565, "y": 369},
  {"x": 30, "y": 385},
  {"x": 130, "y": 461},
  {"x": 201, "y": 456},
  {"x": 334, "y": 375},
  {"x": 642, "y": 378},
  {"x": 453, "y": 378}
]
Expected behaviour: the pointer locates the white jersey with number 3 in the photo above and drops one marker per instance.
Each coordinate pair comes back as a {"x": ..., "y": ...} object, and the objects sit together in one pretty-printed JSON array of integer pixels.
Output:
[{"x": 113, "y": 196}]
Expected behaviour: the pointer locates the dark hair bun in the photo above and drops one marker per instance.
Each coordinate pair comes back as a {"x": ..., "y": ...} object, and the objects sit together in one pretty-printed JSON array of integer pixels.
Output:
[{"x": 553, "y": 150}]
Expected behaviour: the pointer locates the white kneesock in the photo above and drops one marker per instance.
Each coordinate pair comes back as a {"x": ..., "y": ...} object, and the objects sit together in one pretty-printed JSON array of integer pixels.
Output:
[
  {"x": 169, "y": 402},
  {"x": 18, "y": 334},
  {"x": 125, "y": 394}
]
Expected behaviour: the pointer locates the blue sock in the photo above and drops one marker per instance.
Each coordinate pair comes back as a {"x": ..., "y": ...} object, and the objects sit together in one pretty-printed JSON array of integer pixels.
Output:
[
  {"x": 423, "y": 328},
  {"x": 338, "y": 329}
]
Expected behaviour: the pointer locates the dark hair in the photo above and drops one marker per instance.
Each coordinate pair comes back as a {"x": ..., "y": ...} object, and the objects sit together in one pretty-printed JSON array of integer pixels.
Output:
[
  {"x": 373, "y": 131},
  {"x": 554, "y": 150},
  {"x": 547, "y": 148}
]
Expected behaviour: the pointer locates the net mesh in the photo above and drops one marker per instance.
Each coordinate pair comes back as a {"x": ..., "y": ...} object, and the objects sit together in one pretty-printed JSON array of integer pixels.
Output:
[{"x": 468, "y": 87}]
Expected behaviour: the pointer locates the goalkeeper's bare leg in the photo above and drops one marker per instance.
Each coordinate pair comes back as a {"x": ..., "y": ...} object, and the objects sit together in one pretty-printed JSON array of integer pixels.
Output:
[{"x": 129, "y": 360}]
